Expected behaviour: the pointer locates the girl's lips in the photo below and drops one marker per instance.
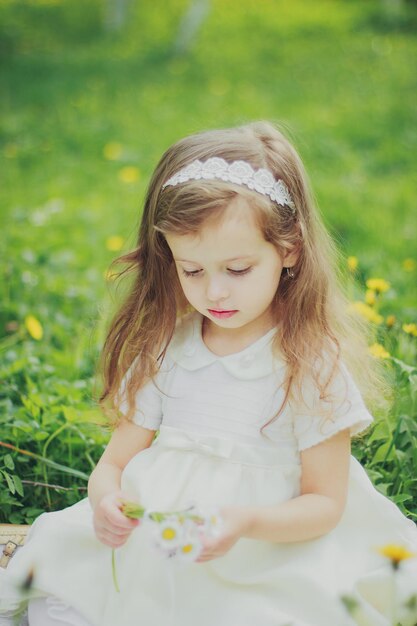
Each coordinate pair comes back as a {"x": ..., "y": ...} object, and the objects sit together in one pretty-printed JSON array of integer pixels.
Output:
[{"x": 221, "y": 314}]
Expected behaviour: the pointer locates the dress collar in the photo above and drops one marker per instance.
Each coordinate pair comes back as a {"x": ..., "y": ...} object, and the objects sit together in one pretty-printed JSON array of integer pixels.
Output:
[{"x": 188, "y": 349}]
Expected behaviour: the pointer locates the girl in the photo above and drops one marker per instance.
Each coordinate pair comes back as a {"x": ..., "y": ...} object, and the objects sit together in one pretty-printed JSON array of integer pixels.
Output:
[{"x": 233, "y": 343}]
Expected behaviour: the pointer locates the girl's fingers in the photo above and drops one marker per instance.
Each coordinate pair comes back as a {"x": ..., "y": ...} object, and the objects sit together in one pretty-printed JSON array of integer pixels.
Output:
[
  {"x": 109, "y": 509},
  {"x": 116, "y": 518},
  {"x": 105, "y": 526},
  {"x": 114, "y": 530},
  {"x": 110, "y": 539},
  {"x": 203, "y": 559}
]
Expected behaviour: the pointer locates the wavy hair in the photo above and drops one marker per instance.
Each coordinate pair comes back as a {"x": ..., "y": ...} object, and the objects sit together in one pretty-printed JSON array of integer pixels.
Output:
[{"x": 316, "y": 328}]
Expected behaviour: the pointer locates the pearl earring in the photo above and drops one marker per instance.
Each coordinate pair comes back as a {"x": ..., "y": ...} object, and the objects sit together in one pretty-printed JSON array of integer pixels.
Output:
[{"x": 290, "y": 272}]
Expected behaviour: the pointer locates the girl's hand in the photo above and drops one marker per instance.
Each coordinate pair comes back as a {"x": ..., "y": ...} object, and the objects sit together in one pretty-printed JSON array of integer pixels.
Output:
[
  {"x": 110, "y": 525},
  {"x": 235, "y": 522}
]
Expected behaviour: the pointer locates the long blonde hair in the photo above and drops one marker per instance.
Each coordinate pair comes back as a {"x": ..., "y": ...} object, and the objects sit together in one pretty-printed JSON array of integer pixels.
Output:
[{"x": 313, "y": 312}]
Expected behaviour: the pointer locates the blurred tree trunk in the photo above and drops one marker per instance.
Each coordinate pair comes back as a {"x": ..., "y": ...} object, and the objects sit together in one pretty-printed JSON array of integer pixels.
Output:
[
  {"x": 115, "y": 15},
  {"x": 116, "y": 11},
  {"x": 190, "y": 24}
]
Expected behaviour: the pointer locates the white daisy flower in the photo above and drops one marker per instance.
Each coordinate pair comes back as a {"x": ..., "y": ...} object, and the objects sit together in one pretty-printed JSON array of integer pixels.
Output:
[
  {"x": 190, "y": 550},
  {"x": 169, "y": 534}
]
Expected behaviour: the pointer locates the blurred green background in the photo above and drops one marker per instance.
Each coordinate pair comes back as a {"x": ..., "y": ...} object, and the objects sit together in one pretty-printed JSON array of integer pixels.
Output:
[{"x": 88, "y": 105}]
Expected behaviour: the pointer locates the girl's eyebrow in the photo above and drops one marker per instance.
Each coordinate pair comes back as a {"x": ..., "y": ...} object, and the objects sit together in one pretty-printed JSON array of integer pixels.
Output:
[{"x": 236, "y": 258}]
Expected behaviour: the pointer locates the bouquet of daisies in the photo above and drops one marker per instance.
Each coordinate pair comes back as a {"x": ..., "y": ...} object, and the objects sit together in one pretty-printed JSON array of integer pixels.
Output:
[{"x": 176, "y": 534}]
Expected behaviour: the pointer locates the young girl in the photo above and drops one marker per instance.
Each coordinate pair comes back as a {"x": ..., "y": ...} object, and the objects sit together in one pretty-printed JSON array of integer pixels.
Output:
[{"x": 234, "y": 343}]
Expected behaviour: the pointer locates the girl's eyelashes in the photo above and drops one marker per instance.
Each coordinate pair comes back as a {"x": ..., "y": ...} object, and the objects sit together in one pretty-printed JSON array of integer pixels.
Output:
[
  {"x": 241, "y": 272},
  {"x": 233, "y": 272},
  {"x": 193, "y": 273}
]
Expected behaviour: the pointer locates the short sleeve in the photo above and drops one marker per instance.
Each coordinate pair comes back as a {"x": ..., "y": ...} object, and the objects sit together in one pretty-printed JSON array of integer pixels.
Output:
[
  {"x": 148, "y": 400},
  {"x": 342, "y": 408}
]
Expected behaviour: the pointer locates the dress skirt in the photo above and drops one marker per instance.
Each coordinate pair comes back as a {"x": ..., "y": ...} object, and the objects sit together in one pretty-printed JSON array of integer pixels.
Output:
[{"x": 256, "y": 582}]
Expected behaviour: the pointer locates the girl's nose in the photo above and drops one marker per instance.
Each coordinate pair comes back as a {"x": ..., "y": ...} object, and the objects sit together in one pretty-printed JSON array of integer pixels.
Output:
[{"x": 216, "y": 289}]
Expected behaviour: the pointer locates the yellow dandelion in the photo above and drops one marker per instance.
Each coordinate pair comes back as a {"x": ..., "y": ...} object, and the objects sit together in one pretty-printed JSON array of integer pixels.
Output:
[
  {"x": 34, "y": 327},
  {"x": 410, "y": 329},
  {"x": 378, "y": 284},
  {"x": 379, "y": 351},
  {"x": 113, "y": 151},
  {"x": 129, "y": 174},
  {"x": 114, "y": 243},
  {"x": 409, "y": 265},
  {"x": 390, "y": 320},
  {"x": 367, "y": 312},
  {"x": 352, "y": 262},
  {"x": 370, "y": 297},
  {"x": 395, "y": 553}
]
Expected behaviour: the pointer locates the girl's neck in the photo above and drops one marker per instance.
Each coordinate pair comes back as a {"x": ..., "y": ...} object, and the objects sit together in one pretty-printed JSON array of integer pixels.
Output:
[{"x": 225, "y": 341}]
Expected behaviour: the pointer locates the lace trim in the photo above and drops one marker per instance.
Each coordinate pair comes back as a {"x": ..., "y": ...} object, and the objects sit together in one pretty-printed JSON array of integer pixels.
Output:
[{"x": 238, "y": 172}]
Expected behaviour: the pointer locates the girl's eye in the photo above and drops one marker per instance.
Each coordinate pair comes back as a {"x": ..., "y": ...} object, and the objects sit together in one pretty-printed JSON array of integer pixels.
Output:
[
  {"x": 241, "y": 272},
  {"x": 193, "y": 273},
  {"x": 234, "y": 272}
]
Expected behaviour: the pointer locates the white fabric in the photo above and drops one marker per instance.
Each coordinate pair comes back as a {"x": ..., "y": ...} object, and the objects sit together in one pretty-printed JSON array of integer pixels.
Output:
[
  {"x": 210, "y": 452},
  {"x": 236, "y": 395},
  {"x": 51, "y": 611}
]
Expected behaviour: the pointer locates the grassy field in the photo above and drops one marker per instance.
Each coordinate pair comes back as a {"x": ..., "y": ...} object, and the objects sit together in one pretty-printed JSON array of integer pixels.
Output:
[{"x": 85, "y": 115}]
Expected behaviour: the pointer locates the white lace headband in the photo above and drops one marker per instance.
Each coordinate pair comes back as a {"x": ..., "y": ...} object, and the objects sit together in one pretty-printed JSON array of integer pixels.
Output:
[{"x": 238, "y": 172}]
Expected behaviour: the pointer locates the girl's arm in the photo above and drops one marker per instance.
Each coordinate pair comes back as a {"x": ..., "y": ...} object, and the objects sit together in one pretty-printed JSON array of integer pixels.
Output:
[
  {"x": 111, "y": 526},
  {"x": 318, "y": 508},
  {"x": 127, "y": 440}
]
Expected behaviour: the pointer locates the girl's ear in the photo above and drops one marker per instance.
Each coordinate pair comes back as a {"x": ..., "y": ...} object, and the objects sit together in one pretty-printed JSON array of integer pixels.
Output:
[{"x": 291, "y": 258}]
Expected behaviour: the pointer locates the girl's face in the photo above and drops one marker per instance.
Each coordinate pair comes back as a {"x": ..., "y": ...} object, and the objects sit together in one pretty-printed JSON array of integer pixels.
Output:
[{"x": 228, "y": 272}]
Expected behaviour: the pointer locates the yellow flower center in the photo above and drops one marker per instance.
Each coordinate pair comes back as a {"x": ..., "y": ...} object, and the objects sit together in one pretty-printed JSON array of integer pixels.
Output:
[
  {"x": 187, "y": 548},
  {"x": 169, "y": 533}
]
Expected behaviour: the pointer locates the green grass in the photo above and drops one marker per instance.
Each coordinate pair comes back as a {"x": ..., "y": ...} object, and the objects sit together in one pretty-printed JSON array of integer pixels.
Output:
[{"x": 339, "y": 75}]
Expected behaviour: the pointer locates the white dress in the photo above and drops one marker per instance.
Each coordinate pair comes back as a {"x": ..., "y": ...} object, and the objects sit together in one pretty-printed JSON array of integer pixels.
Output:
[{"x": 209, "y": 411}]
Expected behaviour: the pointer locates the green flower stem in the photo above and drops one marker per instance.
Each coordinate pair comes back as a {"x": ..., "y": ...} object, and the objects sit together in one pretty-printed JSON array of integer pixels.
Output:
[
  {"x": 135, "y": 511},
  {"x": 113, "y": 569},
  {"x": 394, "y": 597}
]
